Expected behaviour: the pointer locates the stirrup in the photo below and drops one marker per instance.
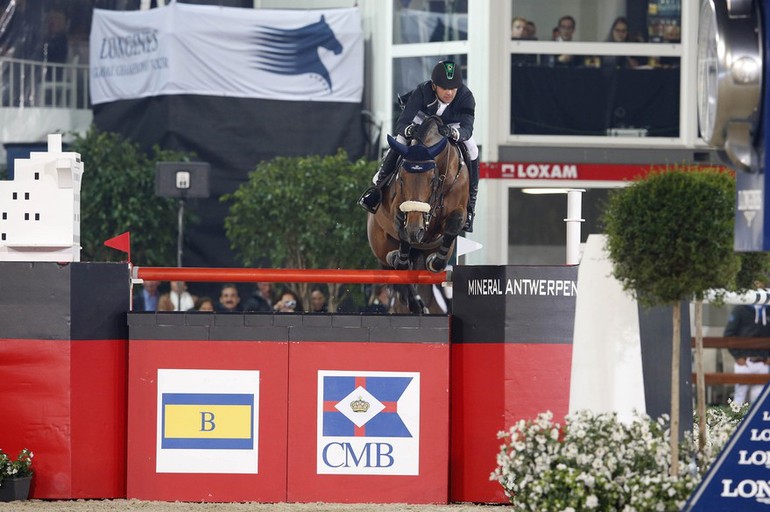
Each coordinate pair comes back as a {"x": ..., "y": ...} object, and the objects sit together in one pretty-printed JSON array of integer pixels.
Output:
[
  {"x": 468, "y": 227},
  {"x": 370, "y": 200}
]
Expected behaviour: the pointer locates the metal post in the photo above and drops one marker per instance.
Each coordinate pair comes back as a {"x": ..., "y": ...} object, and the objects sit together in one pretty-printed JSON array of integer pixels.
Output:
[
  {"x": 180, "y": 234},
  {"x": 573, "y": 220}
]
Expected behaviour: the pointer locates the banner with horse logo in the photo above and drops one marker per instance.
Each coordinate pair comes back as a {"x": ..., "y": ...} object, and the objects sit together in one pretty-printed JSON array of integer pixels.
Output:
[{"x": 292, "y": 55}]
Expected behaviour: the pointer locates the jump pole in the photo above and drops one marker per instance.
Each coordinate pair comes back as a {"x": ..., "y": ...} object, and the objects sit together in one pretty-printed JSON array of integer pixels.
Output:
[{"x": 287, "y": 275}]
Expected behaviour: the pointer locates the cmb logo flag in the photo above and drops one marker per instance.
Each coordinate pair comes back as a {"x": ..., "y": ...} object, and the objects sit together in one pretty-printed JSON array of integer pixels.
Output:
[
  {"x": 368, "y": 423},
  {"x": 740, "y": 477},
  {"x": 207, "y": 421}
]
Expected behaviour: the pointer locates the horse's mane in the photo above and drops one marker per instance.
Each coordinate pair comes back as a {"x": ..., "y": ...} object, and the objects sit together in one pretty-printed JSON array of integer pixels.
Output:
[{"x": 429, "y": 132}]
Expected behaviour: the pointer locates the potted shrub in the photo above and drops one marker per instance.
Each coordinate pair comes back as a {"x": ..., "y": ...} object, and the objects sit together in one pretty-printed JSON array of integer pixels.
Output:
[{"x": 15, "y": 475}]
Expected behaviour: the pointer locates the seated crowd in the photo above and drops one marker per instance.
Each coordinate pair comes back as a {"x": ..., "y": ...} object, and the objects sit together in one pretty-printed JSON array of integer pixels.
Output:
[
  {"x": 263, "y": 299},
  {"x": 619, "y": 32}
]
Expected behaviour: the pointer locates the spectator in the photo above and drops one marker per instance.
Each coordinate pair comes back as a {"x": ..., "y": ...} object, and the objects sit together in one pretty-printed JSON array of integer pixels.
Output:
[
  {"x": 229, "y": 299},
  {"x": 531, "y": 31},
  {"x": 204, "y": 304},
  {"x": 518, "y": 28},
  {"x": 179, "y": 298},
  {"x": 519, "y": 31},
  {"x": 318, "y": 301},
  {"x": 147, "y": 298},
  {"x": 261, "y": 300},
  {"x": 618, "y": 34},
  {"x": 55, "y": 45},
  {"x": 566, "y": 29},
  {"x": 345, "y": 301},
  {"x": 749, "y": 321},
  {"x": 379, "y": 302},
  {"x": 164, "y": 303},
  {"x": 288, "y": 303}
]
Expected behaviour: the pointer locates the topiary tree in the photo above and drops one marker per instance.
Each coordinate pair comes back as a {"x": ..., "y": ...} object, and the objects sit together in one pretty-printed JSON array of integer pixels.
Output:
[
  {"x": 299, "y": 212},
  {"x": 670, "y": 238},
  {"x": 118, "y": 195}
]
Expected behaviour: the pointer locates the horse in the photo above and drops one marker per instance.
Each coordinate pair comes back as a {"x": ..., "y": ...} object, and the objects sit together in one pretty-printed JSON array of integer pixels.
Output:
[
  {"x": 423, "y": 209},
  {"x": 295, "y": 51}
]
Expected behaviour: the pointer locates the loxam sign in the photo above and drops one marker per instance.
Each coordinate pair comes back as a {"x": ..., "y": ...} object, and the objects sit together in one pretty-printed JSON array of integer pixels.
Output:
[{"x": 566, "y": 171}]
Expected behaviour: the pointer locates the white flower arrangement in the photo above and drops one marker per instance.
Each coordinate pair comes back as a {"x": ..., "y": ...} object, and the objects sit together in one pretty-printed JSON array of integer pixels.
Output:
[
  {"x": 595, "y": 462},
  {"x": 15, "y": 468}
]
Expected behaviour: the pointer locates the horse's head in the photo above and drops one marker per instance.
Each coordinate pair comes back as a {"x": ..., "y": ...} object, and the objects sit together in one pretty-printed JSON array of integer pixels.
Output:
[
  {"x": 326, "y": 36},
  {"x": 417, "y": 186}
]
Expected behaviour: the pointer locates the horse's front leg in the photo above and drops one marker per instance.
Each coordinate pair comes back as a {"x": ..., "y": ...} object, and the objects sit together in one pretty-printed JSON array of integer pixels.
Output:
[
  {"x": 399, "y": 259},
  {"x": 437, "y": 261}
]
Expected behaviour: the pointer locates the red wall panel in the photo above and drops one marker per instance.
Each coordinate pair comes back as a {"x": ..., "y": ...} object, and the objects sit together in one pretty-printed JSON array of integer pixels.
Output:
[{"x": 145, "y": 358}]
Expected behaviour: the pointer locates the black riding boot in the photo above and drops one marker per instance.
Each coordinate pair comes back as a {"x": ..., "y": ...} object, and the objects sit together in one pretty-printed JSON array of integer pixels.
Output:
[
  {"x": 370, "y": 200},
  {"x": 473, "y": 190}
]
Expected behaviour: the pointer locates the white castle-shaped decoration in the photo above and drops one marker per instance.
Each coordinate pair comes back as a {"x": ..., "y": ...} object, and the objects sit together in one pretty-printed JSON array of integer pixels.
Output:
[{"x": 40, "y": 207}]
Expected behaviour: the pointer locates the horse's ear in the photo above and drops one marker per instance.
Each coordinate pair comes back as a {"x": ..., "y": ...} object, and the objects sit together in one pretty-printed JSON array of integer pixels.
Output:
[
  {"x": 399, "y": 148},
  {"x": 437, "y": 148}
]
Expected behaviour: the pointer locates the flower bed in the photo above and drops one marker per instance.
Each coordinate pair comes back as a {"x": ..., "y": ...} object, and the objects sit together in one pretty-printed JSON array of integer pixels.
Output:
[{"x": 597, "y": 462}]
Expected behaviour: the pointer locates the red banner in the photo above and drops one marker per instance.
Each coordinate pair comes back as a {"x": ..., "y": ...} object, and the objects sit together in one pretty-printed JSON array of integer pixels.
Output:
[{"x": 564, "y": 171}]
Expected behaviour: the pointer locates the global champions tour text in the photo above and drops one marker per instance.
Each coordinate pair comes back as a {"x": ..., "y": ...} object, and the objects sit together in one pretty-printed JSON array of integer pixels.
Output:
[{"x": 544, "y": 287}]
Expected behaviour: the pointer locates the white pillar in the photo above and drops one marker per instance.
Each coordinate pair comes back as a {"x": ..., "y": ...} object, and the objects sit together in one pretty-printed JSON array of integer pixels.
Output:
[
  {"x": 54, "y": 143},
  {"x": 573, "y": 220}
]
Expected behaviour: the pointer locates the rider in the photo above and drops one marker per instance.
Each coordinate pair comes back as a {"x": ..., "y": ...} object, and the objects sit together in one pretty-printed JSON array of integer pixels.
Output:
[{"x": 445, "y": 95}]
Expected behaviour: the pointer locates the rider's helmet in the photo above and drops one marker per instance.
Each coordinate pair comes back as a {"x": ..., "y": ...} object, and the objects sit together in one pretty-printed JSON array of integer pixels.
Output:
[{"x": 447, "y": 74}]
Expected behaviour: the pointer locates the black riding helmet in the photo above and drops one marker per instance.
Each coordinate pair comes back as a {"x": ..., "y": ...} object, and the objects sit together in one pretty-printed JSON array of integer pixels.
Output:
[{"x": 447, "y": 74}]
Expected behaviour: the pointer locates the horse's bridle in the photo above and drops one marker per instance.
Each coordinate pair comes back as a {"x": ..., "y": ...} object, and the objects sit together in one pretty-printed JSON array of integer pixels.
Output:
[{"x": 436, "y": 199}]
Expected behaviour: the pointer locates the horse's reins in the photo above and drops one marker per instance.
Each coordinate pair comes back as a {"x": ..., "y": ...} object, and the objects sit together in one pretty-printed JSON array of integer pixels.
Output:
[{"x": 436, "y": 199}]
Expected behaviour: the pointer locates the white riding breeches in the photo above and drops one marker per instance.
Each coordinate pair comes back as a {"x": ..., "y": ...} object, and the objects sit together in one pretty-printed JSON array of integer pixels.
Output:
[{"x": 742, "y": 390}]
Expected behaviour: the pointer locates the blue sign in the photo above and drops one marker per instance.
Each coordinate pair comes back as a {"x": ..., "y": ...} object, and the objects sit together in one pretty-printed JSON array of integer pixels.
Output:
[
  {"x": 740, "y": 477},
  {"x": 750, "y": 223}
]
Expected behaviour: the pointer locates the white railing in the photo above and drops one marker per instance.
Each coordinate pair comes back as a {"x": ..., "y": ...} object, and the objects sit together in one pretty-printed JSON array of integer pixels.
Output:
[{"x": 28, "y": 83}]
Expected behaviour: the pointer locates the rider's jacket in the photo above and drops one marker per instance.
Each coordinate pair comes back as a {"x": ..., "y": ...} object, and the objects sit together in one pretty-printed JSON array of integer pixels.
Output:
[{"x": 423, "y": 102}]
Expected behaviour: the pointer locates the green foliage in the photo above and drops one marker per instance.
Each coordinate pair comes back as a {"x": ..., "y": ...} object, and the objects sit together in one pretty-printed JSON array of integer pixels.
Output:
[
  {"x": 19, "y": 467},
  {"x": 300, "y": 212},
  {"x": 755, "y": 268},
  {"x": 118, "y": 195},
  {"x": 670, "y": 235}
]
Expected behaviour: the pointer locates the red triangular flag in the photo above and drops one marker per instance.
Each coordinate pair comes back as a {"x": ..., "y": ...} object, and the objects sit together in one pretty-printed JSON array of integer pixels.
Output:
[{"x": 122, "y": 243}]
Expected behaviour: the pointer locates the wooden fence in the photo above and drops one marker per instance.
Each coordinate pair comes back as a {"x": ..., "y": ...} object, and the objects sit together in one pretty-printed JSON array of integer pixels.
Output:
[{"x": 734, "y": 342}]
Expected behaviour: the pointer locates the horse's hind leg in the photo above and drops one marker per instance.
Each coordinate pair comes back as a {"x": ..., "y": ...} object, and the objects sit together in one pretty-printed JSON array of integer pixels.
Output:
[{"x": 437, "y": 261}]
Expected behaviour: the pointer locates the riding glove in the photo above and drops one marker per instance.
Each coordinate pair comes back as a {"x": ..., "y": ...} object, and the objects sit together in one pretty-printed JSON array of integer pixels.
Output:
[{"x": 455, "y": 133}]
